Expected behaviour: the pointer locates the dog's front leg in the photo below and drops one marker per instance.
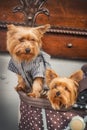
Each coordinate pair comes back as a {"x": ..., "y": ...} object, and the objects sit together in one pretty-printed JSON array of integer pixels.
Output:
[
  {"x": 36, "y": 88},
  {"x": 21, "y": 84}
]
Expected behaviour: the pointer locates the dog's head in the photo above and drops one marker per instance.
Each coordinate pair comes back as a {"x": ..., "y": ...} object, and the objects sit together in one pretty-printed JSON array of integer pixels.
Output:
[
  {"x": 24, "y": 43},
  {"x": 62, "y": 91}
]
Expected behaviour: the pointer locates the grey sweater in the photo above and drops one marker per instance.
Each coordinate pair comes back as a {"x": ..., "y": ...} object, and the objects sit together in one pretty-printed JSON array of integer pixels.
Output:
[{"x": 30, "y": 70}]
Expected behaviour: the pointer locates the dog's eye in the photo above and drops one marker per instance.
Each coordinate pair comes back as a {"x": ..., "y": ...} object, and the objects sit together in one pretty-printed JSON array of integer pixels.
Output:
[
  {"x": 32, "y": 39},
  {"x": 21, "y": 39},
  {"x": 66, "y": 88},
  {"x": 55, "y": 86}
]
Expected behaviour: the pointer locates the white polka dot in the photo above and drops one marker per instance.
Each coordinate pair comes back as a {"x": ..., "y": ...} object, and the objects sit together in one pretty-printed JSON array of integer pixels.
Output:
[
  {"x": 22, "y": 117},
  {"x": 35, "y": 118},
  {"x": 47, "y": 114},
  {"x": 55, "y": 122},
  {"x": 54, "y": 115},
  {"x": 24, "y": 122},
  {"x": 70, "y": 114},
  {"x": 21, "y": 126},
  {"x": 50, "y": 118},
  {"x": 67, "y": 117},
  {"x": 32, "y": 121},
  {"x": 81, "y": 106},
  {"x": 23, "y": 106},
  {"x": 82, "y": 97},
  {"x": 31, "y": 124},
  {"x": 86, "y": 106}
]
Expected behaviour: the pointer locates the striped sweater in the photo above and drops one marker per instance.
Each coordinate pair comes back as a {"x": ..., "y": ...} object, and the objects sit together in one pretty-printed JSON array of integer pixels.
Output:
[{"x": 30, "y": 70}]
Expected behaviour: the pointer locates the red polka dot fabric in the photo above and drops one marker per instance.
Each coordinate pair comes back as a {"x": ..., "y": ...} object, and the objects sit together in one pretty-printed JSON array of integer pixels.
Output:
[{"x": 33, "y": 118}]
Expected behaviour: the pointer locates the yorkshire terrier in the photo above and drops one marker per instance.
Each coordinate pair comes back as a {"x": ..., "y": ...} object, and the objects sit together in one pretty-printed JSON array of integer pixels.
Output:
[
  {"x": 28, "y": 61},
  {"x": 62, "y": 91}
]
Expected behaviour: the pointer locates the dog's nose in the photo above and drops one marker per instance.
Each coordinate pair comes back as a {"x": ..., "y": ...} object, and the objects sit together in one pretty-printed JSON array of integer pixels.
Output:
[
  {"x": 58, "y": 93},
  {"x": 27, "y": 50}
]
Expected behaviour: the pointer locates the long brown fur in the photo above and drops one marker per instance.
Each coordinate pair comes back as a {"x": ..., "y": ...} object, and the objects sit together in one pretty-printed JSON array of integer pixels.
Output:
[
  {"x": 18, "y": 40},
  {"x": 62, "y": 91}
]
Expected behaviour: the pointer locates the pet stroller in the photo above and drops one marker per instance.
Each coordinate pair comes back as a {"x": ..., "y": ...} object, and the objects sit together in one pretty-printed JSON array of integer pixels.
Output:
[{"x": 37, "y": 114}]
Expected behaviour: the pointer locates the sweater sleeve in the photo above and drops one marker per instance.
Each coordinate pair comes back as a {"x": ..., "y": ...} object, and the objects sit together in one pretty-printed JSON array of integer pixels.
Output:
[{"x": 13, "y": 67}]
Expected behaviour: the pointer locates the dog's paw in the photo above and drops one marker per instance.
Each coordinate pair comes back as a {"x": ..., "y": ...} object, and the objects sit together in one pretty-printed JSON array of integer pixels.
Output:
[
  {"x": 19, "y": 88},
  {"x": 55, "y": 107},
  {"x": 33, "y": 94}
]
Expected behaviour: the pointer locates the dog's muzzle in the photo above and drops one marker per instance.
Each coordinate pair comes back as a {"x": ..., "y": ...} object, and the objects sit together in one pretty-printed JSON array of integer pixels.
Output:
[{"x": 27, "y": 50}]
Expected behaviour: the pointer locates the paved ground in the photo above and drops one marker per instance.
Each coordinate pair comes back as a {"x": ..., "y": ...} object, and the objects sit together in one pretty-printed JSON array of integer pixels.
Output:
[{"x": 9, "y": 100}]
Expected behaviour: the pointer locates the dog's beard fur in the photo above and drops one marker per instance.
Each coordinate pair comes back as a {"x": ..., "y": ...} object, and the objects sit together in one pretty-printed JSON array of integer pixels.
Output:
[
  {"x": 24, "y": 43},
  {"x": 62, "y": 91}
]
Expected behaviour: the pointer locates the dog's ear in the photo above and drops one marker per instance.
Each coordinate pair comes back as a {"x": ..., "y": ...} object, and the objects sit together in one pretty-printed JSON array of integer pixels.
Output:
[
  {"x": 50, "y": 75},
  {"x": 77, "y": 76},
  {"x": 11, "y": 29},
  {"x": 43, "y": 29}
]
